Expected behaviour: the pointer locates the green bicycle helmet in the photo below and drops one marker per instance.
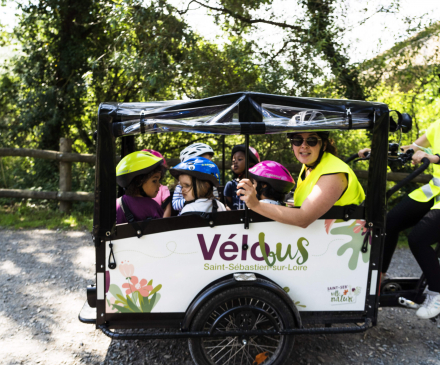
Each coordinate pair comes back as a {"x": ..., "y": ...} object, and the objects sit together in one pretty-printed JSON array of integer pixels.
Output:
[{"x": 135, "y": 164}]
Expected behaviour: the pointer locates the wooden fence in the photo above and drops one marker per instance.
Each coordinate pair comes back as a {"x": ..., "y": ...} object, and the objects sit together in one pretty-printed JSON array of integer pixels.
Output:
[{"x": 66, "y": 157}]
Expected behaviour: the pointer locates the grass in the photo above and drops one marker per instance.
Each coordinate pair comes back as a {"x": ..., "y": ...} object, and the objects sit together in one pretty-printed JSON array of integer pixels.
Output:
[
  {"x": 403, "y": 241},
  {"x": 24, "y": 216}
]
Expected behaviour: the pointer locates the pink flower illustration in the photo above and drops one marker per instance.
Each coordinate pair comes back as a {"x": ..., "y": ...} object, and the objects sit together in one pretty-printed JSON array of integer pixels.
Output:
[
  {"x": 328, "y": 224},
  {"x": 360, "y": 226},
  {"x": 135, "y": 285},
  {"x": 127, "y": 270}
]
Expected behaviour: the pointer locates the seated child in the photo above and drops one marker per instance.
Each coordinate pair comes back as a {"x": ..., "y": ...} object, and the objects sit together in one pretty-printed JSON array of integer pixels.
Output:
[
  {"x": 273, "y": 182},
  {"x": 139, "y": 173},
  {"x": 194, "y": 150},
  {"x": 197, "y": 177},
  {"x": 238, "y": 166},
  {"x": 163, "y": 196}
]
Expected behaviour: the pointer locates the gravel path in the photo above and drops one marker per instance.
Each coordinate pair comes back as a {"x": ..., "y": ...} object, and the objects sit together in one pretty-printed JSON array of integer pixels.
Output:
[{"x": 43, "y": 275}]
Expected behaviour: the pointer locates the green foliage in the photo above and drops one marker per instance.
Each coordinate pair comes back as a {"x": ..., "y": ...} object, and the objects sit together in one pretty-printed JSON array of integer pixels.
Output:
[
  {"x": 76, "y": 55},
  {"x": 26, "y": 215}
]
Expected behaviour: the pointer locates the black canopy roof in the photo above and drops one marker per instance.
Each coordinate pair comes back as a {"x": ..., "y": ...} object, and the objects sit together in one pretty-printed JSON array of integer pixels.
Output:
[{"x": 240, "y": 113}]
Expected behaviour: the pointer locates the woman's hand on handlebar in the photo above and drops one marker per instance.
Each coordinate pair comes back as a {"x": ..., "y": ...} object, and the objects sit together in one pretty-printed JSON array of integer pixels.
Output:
[
  {"x": 247, "y": 193},
  {"x": 362, "y": 152},
  {"x": 419, "y": 155}
]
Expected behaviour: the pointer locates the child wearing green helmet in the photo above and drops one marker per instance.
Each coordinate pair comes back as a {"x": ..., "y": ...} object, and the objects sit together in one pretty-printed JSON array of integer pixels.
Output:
[
  {"x": 139, "y": 173},
  {"x": 197, "y": 177}
]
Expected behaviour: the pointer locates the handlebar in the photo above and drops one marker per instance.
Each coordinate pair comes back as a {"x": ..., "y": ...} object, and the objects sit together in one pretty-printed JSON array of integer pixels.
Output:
[
  {"x": 355, "y": 155},
  {"x": 351, "y": 158},
  {"x": 418, "y": 171}
]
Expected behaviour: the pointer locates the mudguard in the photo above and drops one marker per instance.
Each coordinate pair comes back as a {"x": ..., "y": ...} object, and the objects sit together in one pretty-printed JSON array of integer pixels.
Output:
[{"x": 229, "y": 282}]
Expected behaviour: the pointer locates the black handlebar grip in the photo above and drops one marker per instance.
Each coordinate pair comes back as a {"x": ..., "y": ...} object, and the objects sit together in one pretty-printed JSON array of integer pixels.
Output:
[
  {"x": 351, "y": 158},
  {"x": 415, "y": 173}
]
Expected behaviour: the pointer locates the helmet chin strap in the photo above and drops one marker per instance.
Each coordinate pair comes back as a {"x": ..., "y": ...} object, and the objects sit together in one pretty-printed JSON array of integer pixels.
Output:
[
  {"x": 194, "y": 188},
  {"x": 143, "y": 193},
  {"x": 194, "y": 183}
]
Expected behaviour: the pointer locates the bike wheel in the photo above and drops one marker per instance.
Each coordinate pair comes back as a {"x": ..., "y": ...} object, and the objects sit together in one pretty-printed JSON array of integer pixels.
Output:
[{"x": 247, "y": 307}]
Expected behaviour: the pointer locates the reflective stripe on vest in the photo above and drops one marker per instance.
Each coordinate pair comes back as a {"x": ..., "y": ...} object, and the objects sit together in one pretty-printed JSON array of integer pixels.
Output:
[
  {"x": 431, "y": 190},
  {"x": 329, "y": 164},
  {"x": 427, "y": 192}
]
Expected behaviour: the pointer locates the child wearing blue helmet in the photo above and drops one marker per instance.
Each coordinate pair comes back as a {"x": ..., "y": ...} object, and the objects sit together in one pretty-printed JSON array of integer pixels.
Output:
[{"x": 197, "y": 177}]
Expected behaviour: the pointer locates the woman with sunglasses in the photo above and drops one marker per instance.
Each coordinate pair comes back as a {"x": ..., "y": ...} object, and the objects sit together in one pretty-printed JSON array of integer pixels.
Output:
[{"x": 324, "y": 181}]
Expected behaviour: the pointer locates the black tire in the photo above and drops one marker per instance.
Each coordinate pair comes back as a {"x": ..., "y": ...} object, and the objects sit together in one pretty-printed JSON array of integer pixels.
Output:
[{"x": 275, "y": 350}]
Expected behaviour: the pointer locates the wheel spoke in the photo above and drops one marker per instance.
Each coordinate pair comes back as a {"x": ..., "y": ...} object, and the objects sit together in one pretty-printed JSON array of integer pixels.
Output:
[
  {"x": 230, "y": 350},
  {"x": 240, "y": 349},
  {"x": 223, "y": 348},
  {"x": 263, "y": 346},
  {"x": 227, "y": 352},
  {"x": 271, "y": 338}
]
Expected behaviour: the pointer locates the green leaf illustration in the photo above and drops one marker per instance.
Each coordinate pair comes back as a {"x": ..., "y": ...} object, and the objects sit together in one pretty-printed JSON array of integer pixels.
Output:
[
  {"x": 150, "y": 282},
  {"x": 155, "y": 290},
  {"x": 135, "y": 297},
  {"x": 133, "y": 307},
  {"x": 299, "y": 305},
  {"x": 122, "y": 299},
  {"x": 355, "y": 245},
  {"x": 121, "y": 309},
  {"x": 115, "y": 290},
  {"x": 155, "y": 299},
  {"x": 148, "y": 305}
]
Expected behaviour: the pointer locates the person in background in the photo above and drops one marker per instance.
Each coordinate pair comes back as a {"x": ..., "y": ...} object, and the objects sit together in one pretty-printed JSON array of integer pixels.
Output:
[
  {"x": 194, "y": 150},
  {"x": 238, "y": 158},
  {"x": 272, "y": 182},
  {"x": 197, "y": 177},
  {"x": 324, "y": 181},
  {"x": 163, "y": 197},
  {"x": 420, "y": 210},
  {"x": 139, "y": 173}
]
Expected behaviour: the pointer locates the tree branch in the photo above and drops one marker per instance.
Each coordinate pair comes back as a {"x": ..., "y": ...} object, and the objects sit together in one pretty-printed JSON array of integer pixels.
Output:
[{"x": 250, "y": 20}]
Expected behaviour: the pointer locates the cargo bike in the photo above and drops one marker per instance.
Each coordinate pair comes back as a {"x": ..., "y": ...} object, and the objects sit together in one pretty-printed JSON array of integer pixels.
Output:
[{"x": 238, "y": 285}]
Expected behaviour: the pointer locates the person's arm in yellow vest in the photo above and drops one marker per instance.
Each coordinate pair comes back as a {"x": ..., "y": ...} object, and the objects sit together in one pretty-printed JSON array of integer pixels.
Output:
[
  {"x": 419, "y": 142},
  {"x": 419, "y": 155},
  {"x": 323, "y": 196}
]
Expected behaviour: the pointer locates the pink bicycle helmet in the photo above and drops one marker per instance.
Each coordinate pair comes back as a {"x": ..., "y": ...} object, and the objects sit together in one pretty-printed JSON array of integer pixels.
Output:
[
  {"x": 157, "y": 154},
  {"x": 253, "y": 154},
  {"x": 274, "y": 174}
]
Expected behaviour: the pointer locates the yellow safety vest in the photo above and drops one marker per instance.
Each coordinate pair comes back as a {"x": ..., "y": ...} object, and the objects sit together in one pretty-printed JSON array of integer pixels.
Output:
[
  {"x": 431, "y": 190},
  {"x": 329, "y": 164}
]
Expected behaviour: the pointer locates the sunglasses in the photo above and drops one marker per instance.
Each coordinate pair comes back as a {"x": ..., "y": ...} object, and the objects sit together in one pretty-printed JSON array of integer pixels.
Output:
[{"x": 298, "y": 141}]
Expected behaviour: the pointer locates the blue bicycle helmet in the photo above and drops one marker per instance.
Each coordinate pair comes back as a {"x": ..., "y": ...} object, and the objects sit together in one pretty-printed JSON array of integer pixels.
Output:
[{"x": 199, "y": 167}]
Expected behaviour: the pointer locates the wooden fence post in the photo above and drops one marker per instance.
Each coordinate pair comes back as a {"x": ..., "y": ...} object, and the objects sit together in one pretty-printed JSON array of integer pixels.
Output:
[{"x": 65, "y": 174}]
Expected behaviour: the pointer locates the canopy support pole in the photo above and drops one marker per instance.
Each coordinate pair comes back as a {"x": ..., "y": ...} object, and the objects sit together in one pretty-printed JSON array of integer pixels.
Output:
[
  {"x": 224, "y": 161},
  {"x": 246, "y": 209}
]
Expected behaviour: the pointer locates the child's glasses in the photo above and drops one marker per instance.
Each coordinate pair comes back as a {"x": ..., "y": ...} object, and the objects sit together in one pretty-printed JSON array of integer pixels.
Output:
[{"x": 186, "y": 187}]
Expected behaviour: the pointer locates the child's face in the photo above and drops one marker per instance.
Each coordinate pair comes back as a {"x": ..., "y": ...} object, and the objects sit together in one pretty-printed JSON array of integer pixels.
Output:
[
  {"x": 152, "y": 185},
  {"x": 208, "y": 156},
  {"x": 185, "y": 182},
  {"x": 238, "y": 162}
]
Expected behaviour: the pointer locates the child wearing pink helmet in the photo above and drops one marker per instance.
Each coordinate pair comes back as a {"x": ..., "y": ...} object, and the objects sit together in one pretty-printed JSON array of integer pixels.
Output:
[
  {"x": 163, "y": 197},
  {"x": 273, "y": 182}
]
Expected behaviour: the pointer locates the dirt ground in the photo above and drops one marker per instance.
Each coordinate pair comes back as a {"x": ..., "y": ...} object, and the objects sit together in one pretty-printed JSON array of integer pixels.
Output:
[{"x": 43, "y": 276}]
